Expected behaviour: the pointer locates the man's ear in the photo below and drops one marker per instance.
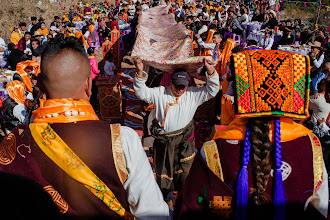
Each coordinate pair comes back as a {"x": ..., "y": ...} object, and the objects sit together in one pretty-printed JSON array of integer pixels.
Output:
[{"x": 88, "y": 86}]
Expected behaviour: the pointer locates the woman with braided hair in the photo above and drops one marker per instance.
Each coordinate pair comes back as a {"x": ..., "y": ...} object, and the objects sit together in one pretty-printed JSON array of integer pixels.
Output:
[{"x": 263, "y": 165}]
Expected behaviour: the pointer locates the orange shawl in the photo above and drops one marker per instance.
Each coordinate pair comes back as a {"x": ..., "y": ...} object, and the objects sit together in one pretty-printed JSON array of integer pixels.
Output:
[
  {"x": 290, "y": 130},
  {"x": 15, "y": 91},
  {"x": 55, "y": 111},
  {"x": 21, "y": 66},
  {"x": 80, "y": 35},
  {"x": 222, "y": 62}
]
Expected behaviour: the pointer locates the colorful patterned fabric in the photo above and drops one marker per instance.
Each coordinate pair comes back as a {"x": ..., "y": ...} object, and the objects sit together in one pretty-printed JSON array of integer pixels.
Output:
[
  {"x": 163, "y": 43},
  {"x": 270, "y": 82}
]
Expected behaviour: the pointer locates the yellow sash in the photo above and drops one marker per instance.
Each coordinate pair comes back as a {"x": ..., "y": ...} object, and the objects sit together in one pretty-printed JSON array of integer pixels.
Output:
[{"x": 59, "y": 152}]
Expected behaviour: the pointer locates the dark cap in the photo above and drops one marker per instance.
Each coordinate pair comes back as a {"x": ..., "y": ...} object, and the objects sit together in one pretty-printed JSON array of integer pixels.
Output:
[
  {"x": 56, "y": 17},
  {"x": 33, "y": 18},
  {"x": 180, "y": 77}
]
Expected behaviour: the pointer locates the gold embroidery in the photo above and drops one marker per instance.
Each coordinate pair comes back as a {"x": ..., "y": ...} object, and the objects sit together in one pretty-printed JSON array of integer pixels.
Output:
[
  {"x": 187, "y": 158},
  {"x": 179, "y": 171},
  {"x": 118, "y": 154},
  {"x": 170, "y": 135},
  {"x": 61, "y": 204},
  {"x": 144, "y": 75},
  {"x": 8, "y": 149},
  {"x": 213, "y": 158},
  {"x": 174, "y": 103},
  {"x": 317, "y": 161},
  {"x": 222, "y": 204},
  {"x": 166, "y": 177}
]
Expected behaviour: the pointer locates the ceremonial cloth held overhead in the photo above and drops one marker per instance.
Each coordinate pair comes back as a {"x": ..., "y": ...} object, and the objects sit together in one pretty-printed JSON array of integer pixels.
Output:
[{"x": 163, "y": 43}]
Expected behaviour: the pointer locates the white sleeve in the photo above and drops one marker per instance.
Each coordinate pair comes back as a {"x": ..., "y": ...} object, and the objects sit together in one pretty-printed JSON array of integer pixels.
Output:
[
  {"x": 202, "y": 30},
  {"x": 209, "y": 91},
  {"x": 271, "y": 41},
  {"x": 143, "y": 92},
  {"x": 143, "y": 194},
  {"x": 86, "y": 35},
  {"x": 206, "y": 45},
  {"x": 318, "y": 63},
  {"x": 20, "y": 112},
  {"x": 320, "y": 200}
]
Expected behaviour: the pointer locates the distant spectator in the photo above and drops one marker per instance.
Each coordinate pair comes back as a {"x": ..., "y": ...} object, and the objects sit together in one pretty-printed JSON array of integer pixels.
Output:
[
  {"x": 94, "y": 72},
  {"x": 272, "y": 22},
  {"x": 297, "y": 28},
  {"x": 57, "y": 22},
  {"x": 14, "y": 36},
  {"x": 33, "y": 26},
  {"x": 52, "y": 31},
  {"x": 109, "y": 66},
  {"x": 267, "y": 42},
  {"x": 14, "y": 57},
  {"x": 287, "y": 38},
  {"x": 43, "y": 30},
  {"x": 244, "y": 19},
  {"x": 3, "y": 45},
  {"x": 317, "y": 57},
  {"x": 320, "y": 107},
  {"x": 257, "y": 15},
  {"x": 324, "y": 74},
  {"x": 321, "y": 37},
  {"x": 21, "y": 29},
  {"x": 24, "y": 43}
]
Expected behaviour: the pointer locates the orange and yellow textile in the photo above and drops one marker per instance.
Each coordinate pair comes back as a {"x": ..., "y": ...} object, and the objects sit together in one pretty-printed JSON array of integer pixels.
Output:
[
  {"x": 236, "y": 130},
  {"x": 15, "y": 91},
  {"x": 53, "y": 111},
  {"x": 225, "y": 56},
  {"x": 14, "y": 37},
  {"x": 43, "y": 31},
  {"x": 29, "y": 63},
  {"x": 222, "y": 64},
  {"x": 227, "y": 110},
  {"x": 91, "y": 28},
  {"x": 80, "y": 35},
  {"x": 60, "y": 153},
  {"x": 21, "y": 66},
  {"x": 271, "y": 83},
  {"x": 26, "y": 80}
]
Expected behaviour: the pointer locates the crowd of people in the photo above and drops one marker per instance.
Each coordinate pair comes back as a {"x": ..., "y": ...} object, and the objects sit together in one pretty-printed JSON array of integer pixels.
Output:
[{"x": 268, "y": 80}]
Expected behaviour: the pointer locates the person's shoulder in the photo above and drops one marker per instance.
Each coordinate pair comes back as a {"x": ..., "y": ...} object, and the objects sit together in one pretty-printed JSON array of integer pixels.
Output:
[{"x": 127, "y": 131}]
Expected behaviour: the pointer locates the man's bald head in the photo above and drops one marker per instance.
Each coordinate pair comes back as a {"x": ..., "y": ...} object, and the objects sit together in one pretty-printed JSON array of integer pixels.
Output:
[{"x": 65, "y": 69}]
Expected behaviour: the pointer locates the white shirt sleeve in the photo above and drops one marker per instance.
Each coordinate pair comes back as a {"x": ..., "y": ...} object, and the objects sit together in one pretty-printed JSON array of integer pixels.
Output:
[
  {"x": 320, "y": 200},
  {"x": 86, "y": 35},
  {"x": 143, "y": 92},
  {"x": 20, "y": 112},
  {"x": 206, "y": 45},
  {"x": 202, "y": 30},
  {"x": 271, "y": 41},
  {"x": 143, "y": 194},
  {"x": 318, "y": 63},
  {"x": 202, "y": 94}
]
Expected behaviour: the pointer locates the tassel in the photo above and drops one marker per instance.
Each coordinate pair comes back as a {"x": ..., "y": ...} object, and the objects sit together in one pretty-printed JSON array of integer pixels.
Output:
[
  {"x": 278, "y": 199},
  {"x": 243, "y": 183}
]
